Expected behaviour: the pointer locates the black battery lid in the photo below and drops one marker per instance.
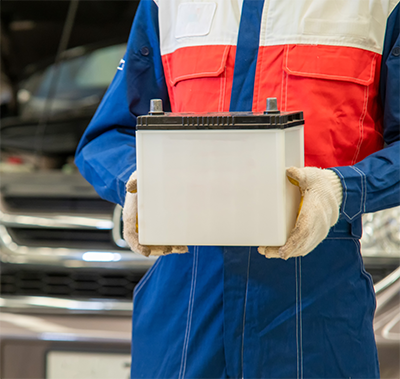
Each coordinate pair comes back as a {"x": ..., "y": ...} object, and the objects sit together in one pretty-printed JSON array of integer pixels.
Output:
[{"x": 220, "y": 120}]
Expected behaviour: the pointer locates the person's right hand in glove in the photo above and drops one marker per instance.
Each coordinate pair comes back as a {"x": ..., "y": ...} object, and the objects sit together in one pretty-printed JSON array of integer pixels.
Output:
[
  {"x": 322, "y": 195},
  {"x": 130, "y": 231}
]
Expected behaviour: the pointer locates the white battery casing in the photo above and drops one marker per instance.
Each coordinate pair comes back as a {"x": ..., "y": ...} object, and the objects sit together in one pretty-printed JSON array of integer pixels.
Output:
[{"x": 217, "y": 187}]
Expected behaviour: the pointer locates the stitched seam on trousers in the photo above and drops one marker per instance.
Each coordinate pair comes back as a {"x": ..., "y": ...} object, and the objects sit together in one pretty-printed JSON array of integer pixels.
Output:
[
  {"x": 244, "y": 308},
  {"x": 297, "y": 318},
  {"x": 189, "y": 316},
  {"x": 150, "y": 273},
  {"x": 301, "y": 324}
]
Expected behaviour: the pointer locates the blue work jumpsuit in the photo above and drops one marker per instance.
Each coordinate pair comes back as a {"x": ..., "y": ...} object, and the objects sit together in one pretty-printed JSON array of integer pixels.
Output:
[{"x": 219, "y": 312}]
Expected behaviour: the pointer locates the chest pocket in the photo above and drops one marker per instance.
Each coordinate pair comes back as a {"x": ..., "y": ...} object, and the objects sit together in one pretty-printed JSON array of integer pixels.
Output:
[
  {"x": 199, "y": 78},
  {"x": 336, "y": 89},
  {"x": 194, "y": 19}
]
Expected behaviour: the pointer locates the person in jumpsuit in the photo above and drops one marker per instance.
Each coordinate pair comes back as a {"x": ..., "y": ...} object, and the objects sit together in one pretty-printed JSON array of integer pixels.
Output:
[{"x": 219, "y": 312}]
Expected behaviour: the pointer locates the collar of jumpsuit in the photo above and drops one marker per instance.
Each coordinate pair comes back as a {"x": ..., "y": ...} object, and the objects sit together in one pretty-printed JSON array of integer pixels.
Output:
[{"x": 219, "y": 312}]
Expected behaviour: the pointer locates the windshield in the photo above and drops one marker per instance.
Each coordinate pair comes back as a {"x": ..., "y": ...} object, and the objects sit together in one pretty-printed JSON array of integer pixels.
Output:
[{"x": 80, "y": 83}]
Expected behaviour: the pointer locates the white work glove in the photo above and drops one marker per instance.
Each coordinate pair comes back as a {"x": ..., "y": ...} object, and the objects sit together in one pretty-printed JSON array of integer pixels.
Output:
[
  {"x": 322, "y": 193},
  {"x": 129, "y": 216}
]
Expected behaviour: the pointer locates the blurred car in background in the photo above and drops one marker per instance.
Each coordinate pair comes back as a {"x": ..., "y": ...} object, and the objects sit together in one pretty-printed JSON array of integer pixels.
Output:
[
  {"x": 78, "y": 85},
  {"x": 55, "y": 104},
  {"x": 67, "y": 276}
]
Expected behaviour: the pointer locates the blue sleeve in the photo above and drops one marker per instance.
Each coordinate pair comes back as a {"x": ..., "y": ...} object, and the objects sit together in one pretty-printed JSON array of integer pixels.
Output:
[
  {"x": 374, "y": 183},
  {"x": 106, "y": 155}
]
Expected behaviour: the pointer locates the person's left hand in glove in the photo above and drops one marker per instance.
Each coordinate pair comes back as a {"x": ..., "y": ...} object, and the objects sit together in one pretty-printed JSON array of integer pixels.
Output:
[{"x": 322, "y": 194}]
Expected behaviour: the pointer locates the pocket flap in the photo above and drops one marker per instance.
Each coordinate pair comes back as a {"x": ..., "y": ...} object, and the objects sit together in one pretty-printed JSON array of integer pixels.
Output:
[
  {"x": 330, "y": 62},
  {"x": 196, "y": 62}
]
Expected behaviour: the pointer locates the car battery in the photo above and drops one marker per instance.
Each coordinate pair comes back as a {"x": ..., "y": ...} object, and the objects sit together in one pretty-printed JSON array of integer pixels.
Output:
[{"x": 217, "y": 178}]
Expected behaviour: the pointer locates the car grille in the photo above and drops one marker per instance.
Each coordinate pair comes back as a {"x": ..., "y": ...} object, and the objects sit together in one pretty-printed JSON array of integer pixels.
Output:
[
  {"x": 67, "y": 238},
  {"x": 69, "y": 283},
  {"x": 58, "y": 238},
  {"x": 65, "y": 204}
]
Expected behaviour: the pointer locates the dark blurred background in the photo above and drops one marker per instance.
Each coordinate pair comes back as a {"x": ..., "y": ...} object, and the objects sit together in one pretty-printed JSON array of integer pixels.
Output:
[
  {"x": 57, "y": 60},
  {"x": 31, "y": 30}
]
